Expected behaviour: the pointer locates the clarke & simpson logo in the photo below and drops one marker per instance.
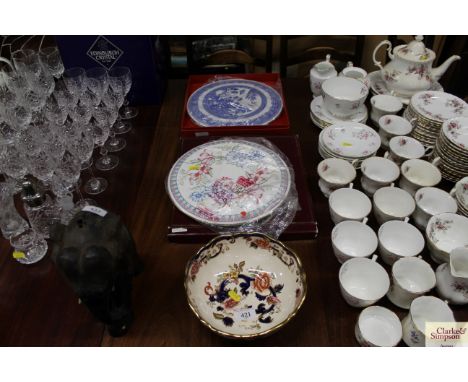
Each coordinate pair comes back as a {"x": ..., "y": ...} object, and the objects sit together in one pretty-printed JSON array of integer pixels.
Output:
[{"x": 447, "y": 334}]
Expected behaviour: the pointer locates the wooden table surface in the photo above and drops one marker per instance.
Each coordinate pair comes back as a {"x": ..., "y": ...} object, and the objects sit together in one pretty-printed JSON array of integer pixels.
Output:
[{"x": 37, "y": 308}]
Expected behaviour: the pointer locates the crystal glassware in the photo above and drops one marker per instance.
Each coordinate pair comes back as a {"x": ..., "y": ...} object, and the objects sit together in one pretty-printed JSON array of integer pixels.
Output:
[
  {"x": 11, "y": 222},
  {"x": 121, "y": 75},
  {"x": 29, "y": 247},
  {"x": 52, "y": 61}
]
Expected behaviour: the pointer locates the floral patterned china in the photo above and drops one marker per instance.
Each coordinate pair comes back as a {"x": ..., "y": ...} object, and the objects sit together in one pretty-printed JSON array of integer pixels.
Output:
[
  {"x": 412, "y": 277},
  {"x": 323, "y": 118},
  {"x": 445, "y": 232},
  {"x": 439, "y": 106},
  {"x": 229, "y": 182},
  {"x": 409, "y": 69},
  {"x": 378, "y": 86},
  {"x": 402, "y": 148},
  {"x": 350, "y": 139},
  {"x": 363, "y": 281},
  {"x": 424, "y": 309},
  {"x": 392, "y": 203},
  {"x": 383, "y": 104},
  {"x": 432, "y": 201},
  {"x": 452, "y": 278},
  {"x": 378, "y": 326},
  {"x": 234, "y": 102},
  {"x": 245, "y": 285},
  {"x": 460, "y": 192},
  {"x": 343, "y": 96}
]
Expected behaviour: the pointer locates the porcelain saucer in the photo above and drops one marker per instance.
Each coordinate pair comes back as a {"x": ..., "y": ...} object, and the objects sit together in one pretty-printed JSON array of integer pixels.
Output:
[
  {"x": 320, "y": 114},
  {"x": 378, "y": 86}
]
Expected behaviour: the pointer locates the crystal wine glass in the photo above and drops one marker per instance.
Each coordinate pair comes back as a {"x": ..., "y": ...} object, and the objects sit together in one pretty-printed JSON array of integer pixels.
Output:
[
  {"x": 52, "y": 61},
  {"x": 121, "y": 75}
]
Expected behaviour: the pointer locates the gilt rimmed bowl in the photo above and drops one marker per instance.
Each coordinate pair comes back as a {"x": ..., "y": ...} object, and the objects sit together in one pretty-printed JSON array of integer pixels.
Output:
[{"x": 245, "y": 285}]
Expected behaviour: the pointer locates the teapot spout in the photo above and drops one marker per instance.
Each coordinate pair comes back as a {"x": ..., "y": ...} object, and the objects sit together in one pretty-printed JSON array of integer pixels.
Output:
[{"x": 439, "y": 71}]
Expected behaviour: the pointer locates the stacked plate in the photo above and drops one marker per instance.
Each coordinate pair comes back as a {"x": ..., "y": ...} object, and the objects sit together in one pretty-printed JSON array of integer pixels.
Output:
[
  {"x": 234, "y": 102},
  {"x": 229, "y": 182},
  {"x": 322, "y": 118},
  {"x": 452, "y": 148},
  {"x": 429, "y": 110},
  {"x": 460, "y": 192},
  {"x": 351, "y": 141}
]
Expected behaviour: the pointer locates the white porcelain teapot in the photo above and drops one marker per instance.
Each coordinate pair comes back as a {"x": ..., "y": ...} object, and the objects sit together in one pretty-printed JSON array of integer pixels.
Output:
[
  {"x": 410, "y": 69},
  {"x": 452, "y": 278}
]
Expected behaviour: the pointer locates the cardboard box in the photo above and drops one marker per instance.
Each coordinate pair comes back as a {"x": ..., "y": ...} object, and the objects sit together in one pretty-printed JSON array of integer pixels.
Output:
[
  {"x": 144, "y": 55},
  {"x": 279, "y": 126},
  {"x": 183, "y": 229}
]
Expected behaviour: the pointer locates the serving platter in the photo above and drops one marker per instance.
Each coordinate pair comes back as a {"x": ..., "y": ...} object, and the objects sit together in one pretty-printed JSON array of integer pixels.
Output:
[
  {"x": 229, "y": 182},
  {"x": 234, "y": 102}
]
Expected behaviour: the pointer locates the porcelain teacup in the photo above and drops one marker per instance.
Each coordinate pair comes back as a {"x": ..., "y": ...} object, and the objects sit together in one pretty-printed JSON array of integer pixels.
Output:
[
  {"x": 411, "y": 277},
  {"x": 401, "y": 148},
  {"x": 334, "y": 173},
  {"x": 431, "y": 201},
  {"x": 351, "y": 239},
  {"x": 424, "y": 309},
  {"x": 363, "y": 281},
  {"x": 378, "y": 172},
  {"x": 392, "y": 125},
  {"x": 355, "y": 72},
  {"x": 392, "y": 203},
  {"x": 343, "y": 96},
  {"x": 378, "y": 326},
  {"x": 444, "y": 233},
  {"x": 399, "y": 239},
  {"x": 348, "y": 204},
  {"x": 418, "y": 173},
  {"x": 383, "y": 104},
  {"x": 452, "y": 278}
]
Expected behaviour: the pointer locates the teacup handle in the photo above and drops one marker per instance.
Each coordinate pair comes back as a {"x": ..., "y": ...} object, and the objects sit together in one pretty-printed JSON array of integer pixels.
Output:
[
  {"x": 351, "y": 185},
  {"x": 428, "y": 151},
  {"x": 406, "y": 219},
  {"x": 412, "y": 122},
  {"x": 356, "y": 164},
  {"x": 453, "y": 192},
  {"x": 386, "y": 155},
  {"x": 392, "y": 185},
  {"x": 365, "y": 220},
  {"x": 436, "y": 161},
  {"x": 374, "y": 257}
]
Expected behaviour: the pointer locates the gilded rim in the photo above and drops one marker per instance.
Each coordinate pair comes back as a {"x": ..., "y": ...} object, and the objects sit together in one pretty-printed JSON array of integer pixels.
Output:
[{"x": 268, "y": 331}]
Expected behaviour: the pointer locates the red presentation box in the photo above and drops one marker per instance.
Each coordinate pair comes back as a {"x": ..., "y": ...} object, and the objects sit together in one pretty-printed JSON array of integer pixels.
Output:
[
  {"x": 280, "y": 126},
  {"x": 183, "y": 229}
]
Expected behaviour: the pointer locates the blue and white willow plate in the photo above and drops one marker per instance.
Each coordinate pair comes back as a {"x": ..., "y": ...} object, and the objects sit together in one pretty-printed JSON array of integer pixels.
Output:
[{"x": 234, "y": 102}]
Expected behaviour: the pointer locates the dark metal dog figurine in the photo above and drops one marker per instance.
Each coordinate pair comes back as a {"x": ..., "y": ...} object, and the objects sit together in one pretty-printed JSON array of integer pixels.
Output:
[{"x": 97, "y": 255}]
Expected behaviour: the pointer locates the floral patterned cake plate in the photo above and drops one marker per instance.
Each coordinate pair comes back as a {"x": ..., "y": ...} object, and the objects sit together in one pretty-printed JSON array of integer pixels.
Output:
[
  {"x": 439, "y": 106},
  {"x": 350, "y": 139},
  {"x": 229, "y": 182},
  {"x": 378, "y": 86},
  {"x": 245, "y": 285},
  {"x": 234, "y": 102}
]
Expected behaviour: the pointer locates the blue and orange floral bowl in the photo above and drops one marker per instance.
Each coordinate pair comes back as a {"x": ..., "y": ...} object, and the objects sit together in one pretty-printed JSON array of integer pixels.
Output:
[{"x": 245, "y": 285}]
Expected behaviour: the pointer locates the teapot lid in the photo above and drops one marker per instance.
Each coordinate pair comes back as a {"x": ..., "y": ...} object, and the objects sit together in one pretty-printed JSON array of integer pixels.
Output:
[
  {"x": 416, "y": 51},
  {"x": 324, "y": 66}
]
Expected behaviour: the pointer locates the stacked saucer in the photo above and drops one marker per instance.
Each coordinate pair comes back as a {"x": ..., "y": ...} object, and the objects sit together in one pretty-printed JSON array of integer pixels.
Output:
[
  {"x": 428, "y": 110},
  {"x": 452, "y": 148},
  {"x": 351, "y": 141},
  {"x": 322, "y": 118},
  {"x": 460, "y": 193}
]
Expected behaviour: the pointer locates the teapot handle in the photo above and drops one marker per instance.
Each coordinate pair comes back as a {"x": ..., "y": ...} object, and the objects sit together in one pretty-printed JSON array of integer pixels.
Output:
[{"x": 389, "y": 50}]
